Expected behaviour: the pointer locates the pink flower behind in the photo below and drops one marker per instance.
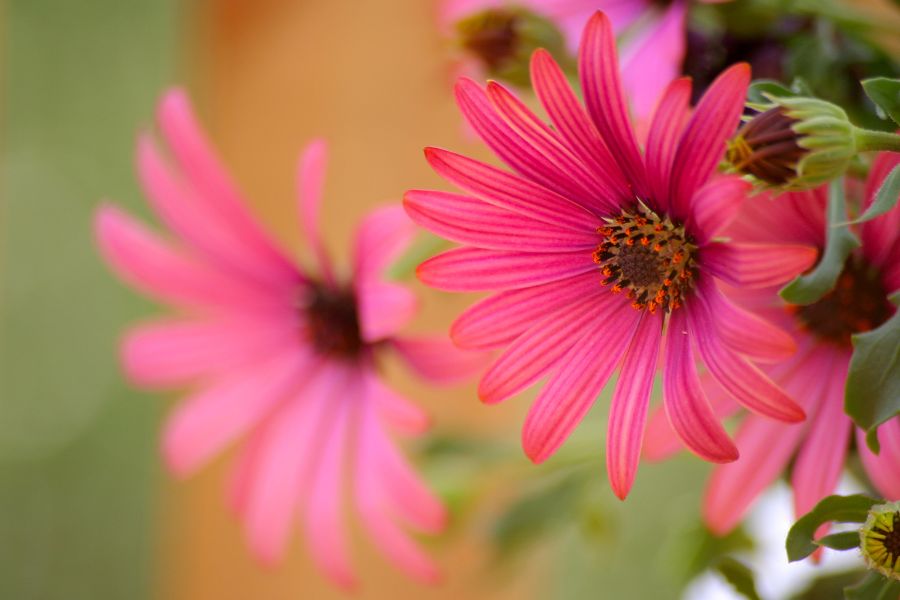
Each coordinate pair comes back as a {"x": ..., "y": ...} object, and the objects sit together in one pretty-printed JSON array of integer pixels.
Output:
[
  {"x": 281, "y": 357},
  {"x": 597, "y": 251},
  {"x": 816, "y": 375}
]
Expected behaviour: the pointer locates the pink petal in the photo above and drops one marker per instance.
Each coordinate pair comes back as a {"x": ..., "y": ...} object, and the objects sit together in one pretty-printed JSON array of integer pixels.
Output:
[
  {"x": 791, "y": 217},
  {"x": 575, "y": 127},
  {"x": 542, "y": 347},
  {"x": 384, "y": 308},
  {"x": 174, "y": 352},
  {"x": 466, "y": 220},
  {"x": 883, "y": 467},
  {"x": 690, "y": 413},
  {"x": 156, "y": 268},
  {"x": 213, "y": 184},
  {"x": 598, "y": 69},
  {"x": 326, "y": 534},
  {"x": 881, "y": 242},
  {"x": 371, "y": 504},
  {"x": 511, "y": 192},
  {"x": 743, "y": 380},
  {"x": 671, "y": 114},
  {"x": 310, "y": 184},
  {"x": 396, "y": 410},
  {"x": 501, "y": 318},
  {"x": 381, "y": 238},
  {"x": 473, "y": 269},
  {"x": 703, "y": 143},
  {"x": 205, "y": 423},
  {"x": 653, "y": 58},
  {"x": 628, "y": 411},
  {"x": 437, "y": 360},
  {"x": 716, "y": 204},
  {"x": 744, "y": 332},
  {"x": 756, "y": 265}
]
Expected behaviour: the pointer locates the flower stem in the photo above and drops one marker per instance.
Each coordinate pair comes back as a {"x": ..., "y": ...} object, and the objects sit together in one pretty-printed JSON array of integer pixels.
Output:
[{"x": 868, "y": 140}]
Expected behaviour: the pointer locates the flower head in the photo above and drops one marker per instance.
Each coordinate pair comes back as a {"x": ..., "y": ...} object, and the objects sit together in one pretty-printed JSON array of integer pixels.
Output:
[
  {"x": 597, "y": 251},
  {"x": 814, "y": 452},
  {"x": 879, "y": 539},
  {"x": 281, "y": 357}
]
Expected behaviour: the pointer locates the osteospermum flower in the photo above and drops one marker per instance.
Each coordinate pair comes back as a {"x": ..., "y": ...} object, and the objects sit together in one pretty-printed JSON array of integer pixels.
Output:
[
  {"x": 598, "y": 251},
  {"x": 815, "y": 451},
  {"x": 282, "y": 357},
  {"x": 498, "y": 35}
]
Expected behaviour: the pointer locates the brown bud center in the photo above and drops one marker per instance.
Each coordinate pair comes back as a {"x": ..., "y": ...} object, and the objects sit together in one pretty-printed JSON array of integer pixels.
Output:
[{"x": 766, "y": 147}]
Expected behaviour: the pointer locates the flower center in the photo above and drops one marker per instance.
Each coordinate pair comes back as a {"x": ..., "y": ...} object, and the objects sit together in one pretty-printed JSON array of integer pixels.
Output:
[
  {"x": 492, "y": 36},
  {"x": 880, "y": 539},
  {"x": 333, "y": 323},
  {"x": 648, "y": 257},
  {"x": 766, "y": 147},
  {"x": 857, "y": 303}
]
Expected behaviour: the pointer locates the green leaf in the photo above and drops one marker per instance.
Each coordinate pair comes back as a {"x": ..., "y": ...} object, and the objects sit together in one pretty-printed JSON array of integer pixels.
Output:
[
  {"x": 872, "y": 394},
  {"x": 739, "y": 576},
  {"x": 806, "y": 289},
  {"x": 885, "y": 198},
  {"x": 885, "y": 93},
  {"x": 759, "y": 89},
  {"x": 842, "y": 509},
  {"x": 873, "y": 587},
  {"x": 844, "y": 540}
]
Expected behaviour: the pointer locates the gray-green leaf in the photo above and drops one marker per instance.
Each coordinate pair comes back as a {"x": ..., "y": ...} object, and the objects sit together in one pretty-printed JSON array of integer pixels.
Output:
[
  {"x": 885, "y": 198},
  {"x": 842, "y": 509},
  {"x": 885, "y": 93}
]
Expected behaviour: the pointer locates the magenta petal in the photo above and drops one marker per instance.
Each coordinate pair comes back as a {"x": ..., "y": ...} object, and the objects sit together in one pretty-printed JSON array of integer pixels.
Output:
[
  {"x": 598, "y": 68},
  {"x": 213, "y": 185},
  {"x": 744, "y": 381},
  {"x": 310, "y": 184},
  {"x": 474, "y": 269},
  {"x": 511, "y": 192},
  {"x": 703, "y": 142},
  {"x": 381, "y": 239},
  {"x": 883, "y": 467},
  {"x": 716, "y": 204},
  {"x": 744, "y": 332},
  {"x": 628, "y": 411},
  {"x": 394, "y": 409},
  {"x": 880, "y": 242},
  {"x": 671, "y": 114},
  {"x": 383, "y": 308},
  {"x": 437, "y": 360},
  {"x": 756, "y": 265},
  {"x": 501, "y": 318},
  {"x": 473, "y": 222},
  {"x": 567, "y": 114},
  {"x": 686, "y": 405},
  {"x": 543, "y": 346},
  {"x": 583, "y": 373}
]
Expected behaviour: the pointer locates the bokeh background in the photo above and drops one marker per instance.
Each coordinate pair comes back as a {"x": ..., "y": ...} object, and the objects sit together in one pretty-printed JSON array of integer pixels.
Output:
[{"x": 86, "y": 511}]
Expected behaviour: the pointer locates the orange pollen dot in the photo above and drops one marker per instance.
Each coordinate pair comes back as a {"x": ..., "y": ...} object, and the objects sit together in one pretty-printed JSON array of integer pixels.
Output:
[{"x": 656, "y": 273}]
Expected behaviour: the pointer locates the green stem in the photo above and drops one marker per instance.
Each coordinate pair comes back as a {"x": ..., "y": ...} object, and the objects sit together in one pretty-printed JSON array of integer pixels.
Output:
[{"x": 868, "y": 140}]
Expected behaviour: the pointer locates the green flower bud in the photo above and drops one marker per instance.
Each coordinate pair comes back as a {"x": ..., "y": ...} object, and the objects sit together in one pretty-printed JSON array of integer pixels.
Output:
[
  {"x": 879, "y": 539},
  {"x": 502, "y": 39},
  {"x": 794, "y": 143}
]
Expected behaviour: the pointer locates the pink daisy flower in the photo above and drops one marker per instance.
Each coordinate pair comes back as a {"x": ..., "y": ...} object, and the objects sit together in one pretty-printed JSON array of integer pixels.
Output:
[
  {"x": 653, "y": 37},
  {"x": 598, "y": 251},
  {"x": 817, "y": 373},
  {"x": 281, "y": 357}
]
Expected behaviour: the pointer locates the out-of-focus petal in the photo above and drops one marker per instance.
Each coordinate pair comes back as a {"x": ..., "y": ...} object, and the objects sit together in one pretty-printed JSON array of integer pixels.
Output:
[
  {"x": 437, "y": 360},
  {"x": 384, "y": 234},
  {"x": 383, "y": 308},
  {"x": 310, "y": 185},
  {"x": 756, "y": 265}
]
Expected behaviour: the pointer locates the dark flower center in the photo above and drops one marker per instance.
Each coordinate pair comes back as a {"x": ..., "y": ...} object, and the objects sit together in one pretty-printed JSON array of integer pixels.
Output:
[
  {"x": 333, "y": 322},
  {"x": 649, "y": 257},
  {"x": 857, "y": 303},
  {"x": 766, "y": 147},
  {"x": 891, "y": 539},
  {"x": 492, "y": 36}
]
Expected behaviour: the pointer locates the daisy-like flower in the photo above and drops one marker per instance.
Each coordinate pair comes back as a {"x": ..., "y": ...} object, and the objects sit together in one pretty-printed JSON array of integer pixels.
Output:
[
  {"x": 879, "y": 539},
  {"x": 281, "y": 357},
  {"x": 598, "y": 251},
  {"x": 497, "y": 35},
  {"x": 816, "y": 451}
]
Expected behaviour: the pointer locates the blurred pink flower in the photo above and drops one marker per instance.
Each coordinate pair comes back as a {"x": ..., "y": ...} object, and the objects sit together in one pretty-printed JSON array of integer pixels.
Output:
[
  {"x": 587, "y": 214},
  {"x": 817, "y": 373},
  {"x": 653, "y": 37},
  {"x": 281, "y": 356}
]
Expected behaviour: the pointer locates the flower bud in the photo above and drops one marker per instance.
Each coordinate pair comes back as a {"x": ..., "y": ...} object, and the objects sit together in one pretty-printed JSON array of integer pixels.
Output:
[
  {"x": 879, "y": 539},
  {"x": 502, "y": 39},
  {"x": 795, "y": 143}
]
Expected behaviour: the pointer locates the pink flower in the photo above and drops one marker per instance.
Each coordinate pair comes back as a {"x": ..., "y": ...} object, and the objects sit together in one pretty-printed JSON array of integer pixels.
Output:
[
  {"x": 816, "y": 374},
  {"x": 279, "y": 356},
  {"x": 587, "y": 214},
  {"x": 653, "y": 37}
]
